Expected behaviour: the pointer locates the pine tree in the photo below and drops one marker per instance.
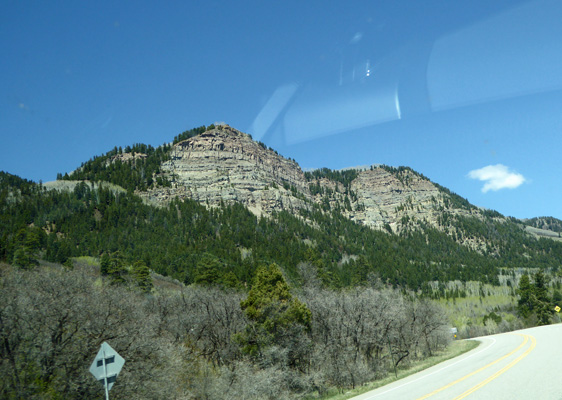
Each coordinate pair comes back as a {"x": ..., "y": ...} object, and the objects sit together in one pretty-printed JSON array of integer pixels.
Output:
[
  {"x": 21, "y": 258},
  {"x": 105, "y": 264},
  {"x": 526, "y": 302},
  {"x": 114, "y": 269},
  {"x": 272, "y": 311},
  {"x": 208, "y": 270},
  {"x": 534, "y": 299},
  {"x": 543, "y": 302},
  {"x": 142, "y": 276}
]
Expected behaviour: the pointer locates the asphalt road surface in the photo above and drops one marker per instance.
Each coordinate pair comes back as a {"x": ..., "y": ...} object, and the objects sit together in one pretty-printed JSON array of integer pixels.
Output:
[{"x": 525, "y": 364}]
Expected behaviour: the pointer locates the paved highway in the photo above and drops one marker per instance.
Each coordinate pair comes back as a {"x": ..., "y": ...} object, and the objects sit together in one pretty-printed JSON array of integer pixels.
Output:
[{"x": 525, "y": 364}]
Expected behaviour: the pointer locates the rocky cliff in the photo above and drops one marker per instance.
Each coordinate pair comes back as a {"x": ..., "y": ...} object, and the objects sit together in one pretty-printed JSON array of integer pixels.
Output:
[
  {"x": 389, "y": 198},
  {"x": 226, "y": 165}
]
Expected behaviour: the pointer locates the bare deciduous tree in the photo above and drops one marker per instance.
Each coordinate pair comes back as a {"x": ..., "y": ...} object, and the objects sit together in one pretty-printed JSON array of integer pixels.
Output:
[{"x": 181, "y": 344}]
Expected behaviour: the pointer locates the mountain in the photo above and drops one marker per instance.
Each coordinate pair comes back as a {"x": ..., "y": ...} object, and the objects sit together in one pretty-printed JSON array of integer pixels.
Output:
[
  {"x": 224, "y": 165},
  {"x": 216, "y": 192}
]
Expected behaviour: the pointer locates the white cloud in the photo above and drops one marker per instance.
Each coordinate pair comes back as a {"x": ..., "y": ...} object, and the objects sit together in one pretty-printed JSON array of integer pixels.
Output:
[{"x": 497, "y": 177}]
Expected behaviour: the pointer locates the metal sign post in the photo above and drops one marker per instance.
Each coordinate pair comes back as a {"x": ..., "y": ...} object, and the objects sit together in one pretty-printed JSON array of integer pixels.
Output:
[
  {"x": 105, "y": 376},
  {"x": 106, "y": 367}
]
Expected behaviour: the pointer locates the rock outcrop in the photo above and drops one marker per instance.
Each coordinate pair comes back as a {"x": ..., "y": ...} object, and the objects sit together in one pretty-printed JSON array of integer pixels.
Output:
[
  {"x": 388, "y": 198},
  {"x": 226, "y": 165}
]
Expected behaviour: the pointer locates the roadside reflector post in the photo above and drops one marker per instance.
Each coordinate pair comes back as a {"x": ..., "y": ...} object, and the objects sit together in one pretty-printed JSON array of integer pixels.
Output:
[{"x": 454, "y": 332}]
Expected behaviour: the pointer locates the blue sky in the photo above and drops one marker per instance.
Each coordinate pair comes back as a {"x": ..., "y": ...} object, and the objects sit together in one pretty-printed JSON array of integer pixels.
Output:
[{"x": 467, "y": 94}]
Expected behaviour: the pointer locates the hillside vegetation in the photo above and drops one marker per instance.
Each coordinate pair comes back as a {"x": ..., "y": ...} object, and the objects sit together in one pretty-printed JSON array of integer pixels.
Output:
[
  {"x": 462, "y": 243},
  {"x": 202, "y": 341},
  {"x": 545, "y": 223},
  {"x": 175, "y": 240}
]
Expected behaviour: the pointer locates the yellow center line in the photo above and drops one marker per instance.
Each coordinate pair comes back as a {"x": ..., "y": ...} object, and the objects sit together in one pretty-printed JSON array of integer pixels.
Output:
[
  {"x": 526, "y": 339},
  {"x": 501, "y": 371}
]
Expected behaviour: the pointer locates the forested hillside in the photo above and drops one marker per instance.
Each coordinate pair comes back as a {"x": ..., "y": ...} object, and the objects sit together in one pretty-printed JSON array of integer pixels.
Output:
[
  {"x": 177, "y": 240},
  {"x": 549, "y": 223},
  {"x": 218, "y": 171},
  {"x": 134, "y": 167}
]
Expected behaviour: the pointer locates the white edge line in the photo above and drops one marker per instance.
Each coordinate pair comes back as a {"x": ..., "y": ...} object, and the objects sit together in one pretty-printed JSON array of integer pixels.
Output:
[{"x": 434, "y": 372}]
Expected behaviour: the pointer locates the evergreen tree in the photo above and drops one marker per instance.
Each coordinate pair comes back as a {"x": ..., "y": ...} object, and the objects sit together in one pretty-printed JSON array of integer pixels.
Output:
[
  {"x": 22, "y": 258},
  {"x": 142, "y": 276},
  {"x": 526, "y": 302},
  {"x": 105, "y": 264},
  {"x": 543, "y": 302},
  {"x": 208, "y": 270},
  {"x": 28, "y": 244},
  {"x": 230, "y": 280},
  {"x": 272, "y": 310},
  {"x": 116, "y": 269},
  {"x": 68, "y": 263},
  {"x": 534, "y": 299}
]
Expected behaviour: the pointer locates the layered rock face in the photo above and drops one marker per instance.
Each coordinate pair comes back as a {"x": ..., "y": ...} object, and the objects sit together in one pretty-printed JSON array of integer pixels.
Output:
[
  {"x": 226, "y": 165},
  {"x": 388, "y": 198}
]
